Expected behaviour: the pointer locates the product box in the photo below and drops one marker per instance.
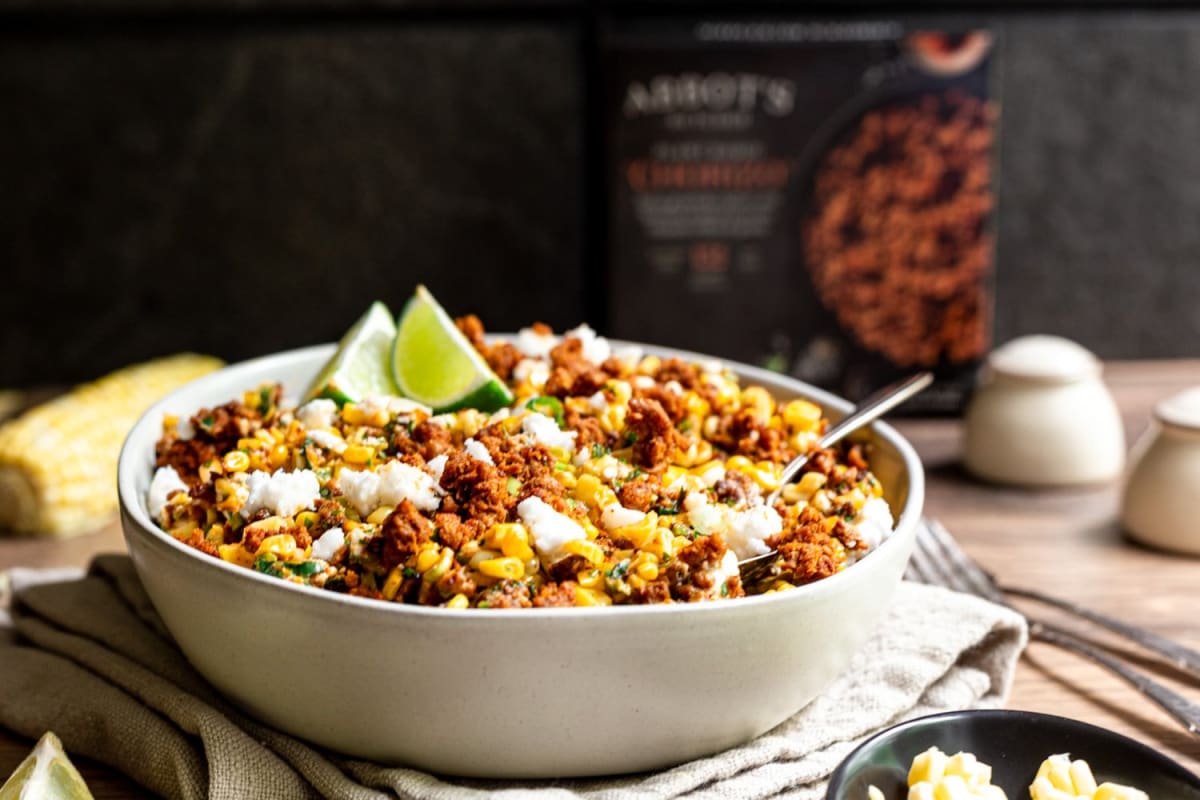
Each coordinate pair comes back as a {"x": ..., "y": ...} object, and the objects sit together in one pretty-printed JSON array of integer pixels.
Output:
[{"x": 812, "y": 196}]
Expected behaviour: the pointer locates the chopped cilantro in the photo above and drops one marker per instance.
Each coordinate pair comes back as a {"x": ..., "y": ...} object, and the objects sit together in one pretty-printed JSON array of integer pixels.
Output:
[
  {"x": 409, "y": 572},
  {"x": 207, "y": 422},
  {"x": 631, "y": 437},
  {"x": 725, "y": 589},
  {"x": 561, "y": 467},
  {"x": 264, "y": 399},
  {"x": 637, "y": 473},
  {"x": 619, "y": 570},
  {"x": 668, "y": 509},
  {"x": 599, "y": 450},
  {"x": 305, "y": 568},
  {"x": 686, "y": 425},
  {"x": 266, "y": 565}
]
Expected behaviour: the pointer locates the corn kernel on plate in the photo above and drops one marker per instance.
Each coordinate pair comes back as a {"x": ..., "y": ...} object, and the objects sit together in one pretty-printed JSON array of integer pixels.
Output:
[
  {"x": 1015, "y": 755},
  {"x": 498, "y": 691}
]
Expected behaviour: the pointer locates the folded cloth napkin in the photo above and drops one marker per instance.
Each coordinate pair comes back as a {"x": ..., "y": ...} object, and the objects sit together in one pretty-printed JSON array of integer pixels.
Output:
[{"x": 88, "y": 658}]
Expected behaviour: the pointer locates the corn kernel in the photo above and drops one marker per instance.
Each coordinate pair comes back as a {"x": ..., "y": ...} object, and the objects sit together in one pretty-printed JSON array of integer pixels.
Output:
[
  {"x": 391, "y": 586},
  {"x": 458, "y": 601},
  {"x": 801, "y": 415},
  {"x": 506, "y": 568},
  {"x": 589, "y": 578},
  {"x": 427, "y": 558},
  {"x": 236, "y": 554},
  {"x": 278, "y": 456},
  {"x": 639, "y": 533},
  {"x": 591, "y": 597},
  {"x": 647, "y": 570},
  {"x": 759, "y": 401},
  {"x": 235, "y": 461},
  {"x": 249, "y": 443},
  {"x": 306, "y": 519},
  {"x": 377, "y": 516},
  {"x": 357, "y": 454},
  {"x": 810, "y": 482},
  {"x": 354, "y": 414},
  {"x": 593, "y": 552},
  {"x": 281, "y": 545}
]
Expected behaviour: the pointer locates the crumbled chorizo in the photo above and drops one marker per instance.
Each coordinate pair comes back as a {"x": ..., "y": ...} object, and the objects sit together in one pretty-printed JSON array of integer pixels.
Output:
[
  {"x": 506, "y": 594},
  {"x": 479, "y": 489},
  {"x": 556, "y": 595},
  {"x": 404, "y": 531},
  {"x": 639, "y": 494},
  {"x": 654, "y": 435}
]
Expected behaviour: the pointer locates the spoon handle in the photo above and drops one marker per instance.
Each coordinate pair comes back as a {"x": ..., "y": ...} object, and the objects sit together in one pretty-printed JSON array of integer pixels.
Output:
[{"x": 869, "y": 410}]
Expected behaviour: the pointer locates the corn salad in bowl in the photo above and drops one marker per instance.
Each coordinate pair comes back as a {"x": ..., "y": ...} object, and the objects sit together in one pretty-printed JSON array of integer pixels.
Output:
[{"x": 614, "y": 478}]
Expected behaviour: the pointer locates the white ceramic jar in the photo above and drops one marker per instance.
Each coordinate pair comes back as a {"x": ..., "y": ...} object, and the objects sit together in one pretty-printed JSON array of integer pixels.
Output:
[
  {"x": 1160, "y": 504},
  {"x": 1042, "y": 416}
]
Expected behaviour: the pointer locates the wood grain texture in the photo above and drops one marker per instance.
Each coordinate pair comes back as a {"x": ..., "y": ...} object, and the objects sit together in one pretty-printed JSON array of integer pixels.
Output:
[{"x": 1063, "y": 541}]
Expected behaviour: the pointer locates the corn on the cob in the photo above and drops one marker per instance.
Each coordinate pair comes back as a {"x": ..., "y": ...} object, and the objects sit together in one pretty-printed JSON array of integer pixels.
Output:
[{"x": 58, "y": 461}]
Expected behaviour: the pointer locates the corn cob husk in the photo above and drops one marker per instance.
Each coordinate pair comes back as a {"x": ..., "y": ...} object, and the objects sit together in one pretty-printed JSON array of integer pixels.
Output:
[{"x": 58, "y": 461}]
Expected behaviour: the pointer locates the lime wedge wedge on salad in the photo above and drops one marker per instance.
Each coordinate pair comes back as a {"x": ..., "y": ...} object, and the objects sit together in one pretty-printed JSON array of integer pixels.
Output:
[
  {"x": 47, "y": 774},
  {"x": 361, "y": 366},
  {"x": 433, "y": 363}
]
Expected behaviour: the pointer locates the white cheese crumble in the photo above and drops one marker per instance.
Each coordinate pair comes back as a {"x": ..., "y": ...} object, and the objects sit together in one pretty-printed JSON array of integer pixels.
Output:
[
  {"x": 327, "y": 440},
  {"x": 435, "y": 466},
  {"x": 389, "y": 485},
  {"x": 595, "y": 348},
  {"x": 874, "y": 522},
  {"x": 165, "y": 482},
  {"x": 598, "y": 401},
  {"x": 750, "y": 529},
  {"x": 745, "y": 531},
  {"x": 184, "y": 430},
  {"x": 615, "y": 515},
  {"x": 326, "y": 547},
  {"x": 282, "y": 493},
  {"x": 629, "y": 355},
  {"x": 545, "y": 430},
  {"x": 476, "y": 450},
  {"x": 550, "y": 530},
  {"x": 642, "y": 381},
  {"x": 317, "y": 413},
  {"x": 728, "y": 569},
  {"x": 375, "y": 405},
  {"x": 534, "y": 344},
  {"x": 533, "y": 371}
]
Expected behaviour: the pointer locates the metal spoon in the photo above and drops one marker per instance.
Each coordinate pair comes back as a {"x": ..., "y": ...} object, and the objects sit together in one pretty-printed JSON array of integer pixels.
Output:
[{"x": 755, "y": 568}]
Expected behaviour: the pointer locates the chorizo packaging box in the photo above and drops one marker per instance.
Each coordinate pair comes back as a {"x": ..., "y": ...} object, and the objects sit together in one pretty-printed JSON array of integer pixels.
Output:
[{"x": 812, "y": 196}]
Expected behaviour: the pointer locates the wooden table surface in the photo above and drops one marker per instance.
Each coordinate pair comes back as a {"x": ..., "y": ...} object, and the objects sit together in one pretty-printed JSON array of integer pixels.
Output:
[{"x": 1065, "y": 541}]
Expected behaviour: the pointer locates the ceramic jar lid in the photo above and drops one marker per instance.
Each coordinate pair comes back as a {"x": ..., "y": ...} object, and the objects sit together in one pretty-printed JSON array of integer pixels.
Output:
[
  {"x": 1044, "y": 358},
  {"x": 1180, "y": 410}
]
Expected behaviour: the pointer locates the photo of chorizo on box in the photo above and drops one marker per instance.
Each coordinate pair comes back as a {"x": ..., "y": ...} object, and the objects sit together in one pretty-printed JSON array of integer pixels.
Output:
[{"x": 817, "y": 195}]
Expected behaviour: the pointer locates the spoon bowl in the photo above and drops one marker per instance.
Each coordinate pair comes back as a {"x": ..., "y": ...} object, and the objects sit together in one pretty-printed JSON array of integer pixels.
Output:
[{"x": 755, "y": 569}]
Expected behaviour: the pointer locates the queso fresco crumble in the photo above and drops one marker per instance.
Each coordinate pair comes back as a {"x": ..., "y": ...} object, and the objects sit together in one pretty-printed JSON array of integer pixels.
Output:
[{"x": 614, "y": 478}]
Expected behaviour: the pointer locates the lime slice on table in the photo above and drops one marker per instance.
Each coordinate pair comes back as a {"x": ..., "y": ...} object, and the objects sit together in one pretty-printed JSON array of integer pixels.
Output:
[
  {"x": 361, "y": 365},
  {"x": 47, "y": 774},
  {"x": 433, "y": 363}
]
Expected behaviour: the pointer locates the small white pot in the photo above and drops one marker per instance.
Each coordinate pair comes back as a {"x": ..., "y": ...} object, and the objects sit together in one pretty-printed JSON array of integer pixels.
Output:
[
  {"x": 1160, "y": 504},
  {"x": 1043, "y": 417}
]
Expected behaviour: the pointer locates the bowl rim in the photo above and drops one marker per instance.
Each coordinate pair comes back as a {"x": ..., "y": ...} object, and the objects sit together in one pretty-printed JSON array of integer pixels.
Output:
[{"x": 135, "y": 521}]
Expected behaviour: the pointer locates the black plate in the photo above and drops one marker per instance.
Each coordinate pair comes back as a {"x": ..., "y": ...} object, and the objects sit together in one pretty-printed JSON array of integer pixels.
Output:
[{"x": 1015, "y": 743}]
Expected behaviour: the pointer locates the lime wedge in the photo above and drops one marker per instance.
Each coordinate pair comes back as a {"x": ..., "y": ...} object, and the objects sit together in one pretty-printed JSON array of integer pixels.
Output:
[
  {"x": 433, "y": 363},
  {"x": 47, "y": 774},
  {"x": 360, "y": 367}
]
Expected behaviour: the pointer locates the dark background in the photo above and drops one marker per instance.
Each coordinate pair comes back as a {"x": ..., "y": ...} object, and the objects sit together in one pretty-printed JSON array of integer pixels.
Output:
[{"x": 243, "y": 177}]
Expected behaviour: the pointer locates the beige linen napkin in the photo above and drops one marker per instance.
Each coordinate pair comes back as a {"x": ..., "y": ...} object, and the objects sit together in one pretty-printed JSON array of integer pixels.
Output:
[{"x": 88, "y": 658}]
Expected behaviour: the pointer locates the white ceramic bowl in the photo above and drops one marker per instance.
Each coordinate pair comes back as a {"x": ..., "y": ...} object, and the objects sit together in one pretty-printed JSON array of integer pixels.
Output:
[{"x": 507, "y": 693}]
